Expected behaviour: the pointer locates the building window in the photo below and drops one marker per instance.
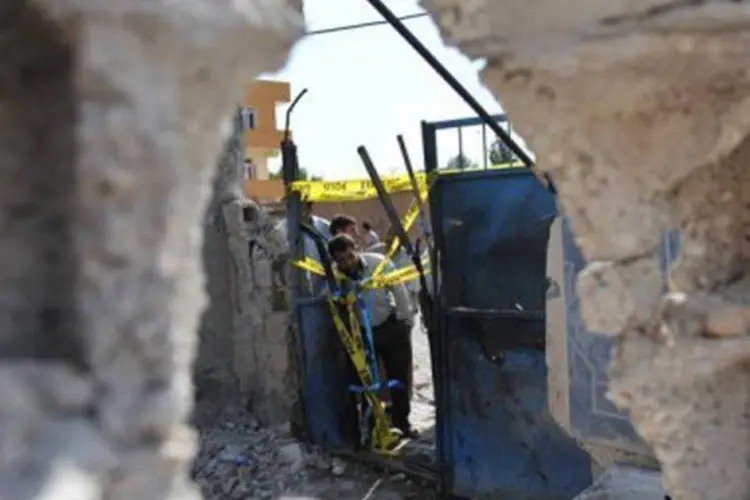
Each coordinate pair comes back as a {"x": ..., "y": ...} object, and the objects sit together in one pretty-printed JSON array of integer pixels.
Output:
[
  {"x": 248, "y": 118},
  {"x": 249, "y": 169}
]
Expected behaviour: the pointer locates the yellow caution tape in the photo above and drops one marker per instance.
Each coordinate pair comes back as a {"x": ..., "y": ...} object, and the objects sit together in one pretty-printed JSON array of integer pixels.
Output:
[
  {"x": 391, "y": 278},
  {"x": 364, "y": 189},
  {"x": 311, "y": 265},
  {"x": 360, "y": 189},
  {"x": 378, "y": 280},
  {"x": 353, "y": 189},
  {"x": 407, "y": 222},
  {"x": 397, "y": 277},
  {"x": 384, "y": 438}
]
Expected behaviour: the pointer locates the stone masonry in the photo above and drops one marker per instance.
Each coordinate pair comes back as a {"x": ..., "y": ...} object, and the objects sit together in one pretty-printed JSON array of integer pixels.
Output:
[{"x": 247, "y": 346}]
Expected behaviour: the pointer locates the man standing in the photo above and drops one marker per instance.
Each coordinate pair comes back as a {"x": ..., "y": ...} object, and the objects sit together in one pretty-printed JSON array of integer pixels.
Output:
[
  {"x": 319, "y": 223},
  {"x": 390, "y": 313},
  {"x": 309, "y": 248},
  {"x": 370, "y": 237},
  {"x": 323, "y": 227},
  {"x": 344, "y": 224}
]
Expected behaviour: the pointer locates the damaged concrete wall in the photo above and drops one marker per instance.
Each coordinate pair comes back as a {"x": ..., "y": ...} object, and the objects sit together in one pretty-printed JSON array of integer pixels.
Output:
[
  {"x": 110, "y": 115},
  {"x": 640, "y": 111},
  {"x": 246, "y": 347},
  {"x": 264, "y": 339},
  {"x": 214, "y": 374}
]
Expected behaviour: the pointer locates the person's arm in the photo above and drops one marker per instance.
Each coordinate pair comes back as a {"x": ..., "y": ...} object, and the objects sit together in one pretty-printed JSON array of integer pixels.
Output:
[{"x": 404, "y": 308}]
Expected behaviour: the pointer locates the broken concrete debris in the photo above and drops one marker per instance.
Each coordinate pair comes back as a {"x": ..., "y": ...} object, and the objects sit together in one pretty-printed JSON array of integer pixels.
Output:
[{"x": 242, "y": 461}]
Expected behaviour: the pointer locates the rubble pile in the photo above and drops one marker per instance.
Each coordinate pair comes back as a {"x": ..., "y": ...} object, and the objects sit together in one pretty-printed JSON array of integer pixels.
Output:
[{"x": 240, "y": 459}]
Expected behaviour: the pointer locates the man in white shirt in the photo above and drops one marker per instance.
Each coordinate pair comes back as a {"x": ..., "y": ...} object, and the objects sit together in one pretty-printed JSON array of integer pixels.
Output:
[
  {"x": 370, "y": 237},
  {"x": 400, "y": 260},
  {"x": 319, "y": 223},
  {"x": 309, "y": 249},
  {"x": 391, "y": 316},
  {"x": 323, "y": 226}
]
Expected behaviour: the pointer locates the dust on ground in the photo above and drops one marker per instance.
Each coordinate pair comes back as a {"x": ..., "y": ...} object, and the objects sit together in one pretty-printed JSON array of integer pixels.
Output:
[{"x": 239, "y": 459}]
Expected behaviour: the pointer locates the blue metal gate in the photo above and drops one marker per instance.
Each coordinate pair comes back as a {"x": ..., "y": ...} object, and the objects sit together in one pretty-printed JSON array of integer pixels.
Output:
[
  {"x": 495, "y": 321},
  {"x": 495, "y": 435}
]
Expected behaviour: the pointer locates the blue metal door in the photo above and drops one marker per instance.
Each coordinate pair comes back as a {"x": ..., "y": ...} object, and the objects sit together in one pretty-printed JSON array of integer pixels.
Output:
[
  {"x": 495, "y": 434},
  {"x": 324, "y": 414}
]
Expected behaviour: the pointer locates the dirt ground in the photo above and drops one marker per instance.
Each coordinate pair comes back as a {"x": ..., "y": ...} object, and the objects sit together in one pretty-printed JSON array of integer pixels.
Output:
[{"x": 240, "y": 460}]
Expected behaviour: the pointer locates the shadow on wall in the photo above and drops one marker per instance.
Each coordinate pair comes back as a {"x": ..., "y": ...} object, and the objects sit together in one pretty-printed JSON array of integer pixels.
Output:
[{"x": 213, "y": 373}]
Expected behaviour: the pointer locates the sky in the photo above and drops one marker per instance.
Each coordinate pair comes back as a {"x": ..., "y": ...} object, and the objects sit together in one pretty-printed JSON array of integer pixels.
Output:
[{"x": 368, "y": 85}]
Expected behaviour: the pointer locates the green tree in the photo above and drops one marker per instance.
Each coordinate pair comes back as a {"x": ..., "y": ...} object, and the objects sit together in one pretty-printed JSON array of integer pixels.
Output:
[
  {"x": 460, "y": 162},
  {"x": 501, "y": 153},
  {"x": 304, "y": 175}
]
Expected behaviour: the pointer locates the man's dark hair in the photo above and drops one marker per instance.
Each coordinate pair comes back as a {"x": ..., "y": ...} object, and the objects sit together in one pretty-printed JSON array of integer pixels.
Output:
[
  {"x": 340, "y": 223},
  {"x": 366, "y": 224},
  {"x": 340, "y": 243}
]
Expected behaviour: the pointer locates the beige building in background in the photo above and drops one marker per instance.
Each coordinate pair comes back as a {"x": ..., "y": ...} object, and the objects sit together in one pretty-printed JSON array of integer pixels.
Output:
[{"x": 263, "y": 141}]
